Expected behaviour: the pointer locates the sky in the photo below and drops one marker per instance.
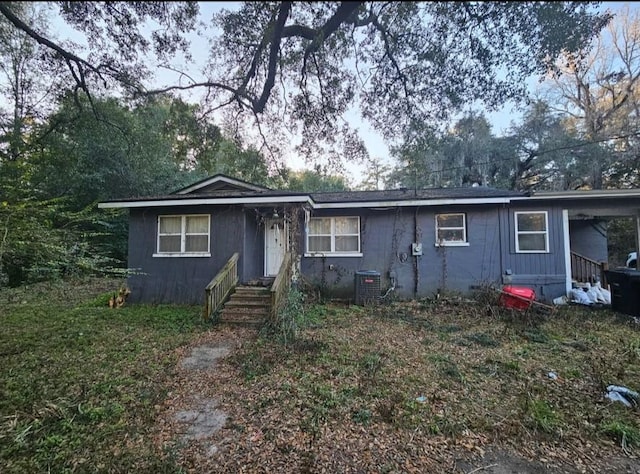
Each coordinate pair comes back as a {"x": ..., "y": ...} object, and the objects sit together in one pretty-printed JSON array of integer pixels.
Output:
[{"x": 377, "y": 148}]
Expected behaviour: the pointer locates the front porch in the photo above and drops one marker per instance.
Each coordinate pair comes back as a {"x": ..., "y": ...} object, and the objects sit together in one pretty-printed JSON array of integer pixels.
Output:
[{"x": 254, "y": 302}]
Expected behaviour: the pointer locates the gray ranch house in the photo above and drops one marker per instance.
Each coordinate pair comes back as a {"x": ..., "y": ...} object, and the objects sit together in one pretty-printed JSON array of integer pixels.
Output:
[{"x": 411, "y": 242}]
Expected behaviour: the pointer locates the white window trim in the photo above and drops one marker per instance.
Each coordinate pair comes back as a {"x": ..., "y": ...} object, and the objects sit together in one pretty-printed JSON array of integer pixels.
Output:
[
  {"x": 333, "y": 253},
  {"x": 452, "y": 243},
  {"x": 183, "y": 236},
  {"x": 517, "y": 232}
]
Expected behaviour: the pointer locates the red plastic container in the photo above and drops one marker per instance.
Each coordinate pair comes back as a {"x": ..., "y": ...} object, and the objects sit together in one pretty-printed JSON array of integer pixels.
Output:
[{"x": 517, "y": 297}]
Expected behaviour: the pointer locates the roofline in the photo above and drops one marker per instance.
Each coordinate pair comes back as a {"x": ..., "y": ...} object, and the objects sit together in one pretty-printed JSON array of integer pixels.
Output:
[
  {"x": 220, "y": 177},
  {"x": 299, "y": 199},
  {"x": 588, "y": 194},
  {"x": 410, "y": 203},
  {"x": 308, "y": 198},
  {"x": 204, "y": 201}
]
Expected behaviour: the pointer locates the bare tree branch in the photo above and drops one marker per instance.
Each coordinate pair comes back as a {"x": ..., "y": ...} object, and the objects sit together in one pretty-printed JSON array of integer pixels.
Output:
[
  {"x": 70, "y": 58},
  {"x": 283, "y": 14}
]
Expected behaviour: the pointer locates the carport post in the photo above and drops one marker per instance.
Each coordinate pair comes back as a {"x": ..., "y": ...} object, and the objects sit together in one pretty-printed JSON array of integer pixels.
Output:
[{"x": 637, "y": 238}]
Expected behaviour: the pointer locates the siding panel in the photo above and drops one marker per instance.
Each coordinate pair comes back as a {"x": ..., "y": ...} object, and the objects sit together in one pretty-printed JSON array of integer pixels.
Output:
[
  {"x": 178, "y": 280},
  {"x": 386, "y": 238},
  {"x": 545, "y": 272}
]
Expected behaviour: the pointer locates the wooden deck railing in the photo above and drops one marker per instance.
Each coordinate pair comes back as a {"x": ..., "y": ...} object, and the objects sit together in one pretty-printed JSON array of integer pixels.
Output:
[
  {"x": 281, "y": 286},
  {"x": 221, "y": 286},
  {"x": 584, "y": 269}
]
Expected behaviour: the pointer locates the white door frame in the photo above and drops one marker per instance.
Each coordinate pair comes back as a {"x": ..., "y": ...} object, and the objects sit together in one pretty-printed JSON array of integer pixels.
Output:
[{"x": 283, "y": 243}]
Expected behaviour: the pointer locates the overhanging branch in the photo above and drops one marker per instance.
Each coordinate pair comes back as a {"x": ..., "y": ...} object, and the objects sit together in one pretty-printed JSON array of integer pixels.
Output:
[{"x": 70, "y": 58}]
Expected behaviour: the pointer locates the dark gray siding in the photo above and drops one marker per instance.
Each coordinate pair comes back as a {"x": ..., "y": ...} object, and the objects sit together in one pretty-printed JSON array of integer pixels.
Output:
[
  {"x": 589, "y": 238},
  {"x": 180, "y": 280},
  {"x": 386, "y": 237},
  {"x": 544, "y": 272},
  {"x": 252, "y": 257}
]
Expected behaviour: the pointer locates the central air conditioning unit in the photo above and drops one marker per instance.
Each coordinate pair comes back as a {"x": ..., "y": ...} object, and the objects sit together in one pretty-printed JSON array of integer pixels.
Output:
[{"x": 367, "y": 287}]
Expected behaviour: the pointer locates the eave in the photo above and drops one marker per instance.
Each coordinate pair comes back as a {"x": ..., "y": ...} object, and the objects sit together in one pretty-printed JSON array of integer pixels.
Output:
[{"x": 195, "y": 201}]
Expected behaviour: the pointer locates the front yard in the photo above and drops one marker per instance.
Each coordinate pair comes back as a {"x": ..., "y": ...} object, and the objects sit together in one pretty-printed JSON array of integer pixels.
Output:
[
  {"x": 427, "y": 386},
  {"x": 79, "y": 381},
  {"x": 430, "y": 387}
]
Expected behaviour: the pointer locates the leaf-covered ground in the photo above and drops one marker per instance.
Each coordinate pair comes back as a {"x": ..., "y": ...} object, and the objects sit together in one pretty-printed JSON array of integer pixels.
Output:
[{"x": 447, "y": 386}]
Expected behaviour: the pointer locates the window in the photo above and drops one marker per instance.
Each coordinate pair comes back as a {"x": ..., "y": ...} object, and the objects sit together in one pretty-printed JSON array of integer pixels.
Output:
[
  {"x": 451, "y": 229},
  {"x": 338, "y": 235},
  {"x": 183, "y": 235},
  {"x": 532, "y": 232}
]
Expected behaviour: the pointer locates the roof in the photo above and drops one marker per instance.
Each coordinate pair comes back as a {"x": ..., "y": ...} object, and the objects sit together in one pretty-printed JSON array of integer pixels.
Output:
[
  {"x": 218, "y": 182},
  {"x": 413, "y": 194},
  {"x": 594, "y": 193},
  {"x": 224, "y": 190}
]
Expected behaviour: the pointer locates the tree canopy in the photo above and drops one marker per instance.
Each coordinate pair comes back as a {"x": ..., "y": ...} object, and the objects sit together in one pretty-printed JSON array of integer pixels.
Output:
[{"x": 304, "y": 65}]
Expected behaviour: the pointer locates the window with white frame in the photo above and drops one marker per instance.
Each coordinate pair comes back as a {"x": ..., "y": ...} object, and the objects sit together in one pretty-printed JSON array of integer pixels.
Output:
[
  {"x": 183, "y": 235},
  {"x": 451, "y": 229},
  {"x": 339, "y": 235},
  {"x": 532, "y": 232}
]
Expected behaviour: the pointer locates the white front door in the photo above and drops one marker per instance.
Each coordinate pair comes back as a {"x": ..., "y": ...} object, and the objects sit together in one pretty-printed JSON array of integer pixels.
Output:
[{"x": 275, "y": 243}]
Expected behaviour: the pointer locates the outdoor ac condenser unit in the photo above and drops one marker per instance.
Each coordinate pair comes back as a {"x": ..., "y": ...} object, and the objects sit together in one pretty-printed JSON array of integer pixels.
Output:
[{"x": 367, "y": 287}]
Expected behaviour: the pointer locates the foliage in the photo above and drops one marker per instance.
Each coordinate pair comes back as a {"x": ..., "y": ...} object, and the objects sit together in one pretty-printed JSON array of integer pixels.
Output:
[
  {"x": 120, "y": 35},
  {"x": 118, "y": 153},
  {"x": 621, "y": 240},
  {"x": 453, "y": 55},
  {"x": 316, "y": 180},
  {"x": 26, "y": 96},
  {"x": 43, "y": 240},
  {"x": 404, "y": 63},
  {"x": 596, "y": 91},
  {"x": 49, "y": 223},
  {"x": 232, "y": 159},
  {"x": 85, "y": 387},
  {"x": 81, "y": 382},
  {"x": 48, "y": 220},
  {"x": 375, "y": 175},
  {"x": 544, "y": 152},
  {"x": 290, "y": 319},
  {"x": 467, "y": 154}
]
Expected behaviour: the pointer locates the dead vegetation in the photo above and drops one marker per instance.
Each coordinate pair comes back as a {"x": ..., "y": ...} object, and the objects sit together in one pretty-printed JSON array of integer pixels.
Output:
[{"x": 426, "y": 386}]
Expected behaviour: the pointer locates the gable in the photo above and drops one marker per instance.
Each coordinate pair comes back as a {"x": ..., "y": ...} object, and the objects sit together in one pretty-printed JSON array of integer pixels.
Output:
[{"x": 218, "y": 183}]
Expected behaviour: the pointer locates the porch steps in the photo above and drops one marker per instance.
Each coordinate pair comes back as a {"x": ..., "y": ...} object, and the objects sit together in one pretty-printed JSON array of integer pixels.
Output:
[{"x": 247, "y": 305}]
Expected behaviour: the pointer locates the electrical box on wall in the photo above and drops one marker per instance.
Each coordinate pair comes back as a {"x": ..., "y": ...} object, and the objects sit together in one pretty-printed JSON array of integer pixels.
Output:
[{"x": 416, "y": 249}]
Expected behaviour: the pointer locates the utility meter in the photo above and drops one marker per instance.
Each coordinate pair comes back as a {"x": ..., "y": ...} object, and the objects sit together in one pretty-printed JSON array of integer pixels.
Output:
[{"x": 416, "y": 248}]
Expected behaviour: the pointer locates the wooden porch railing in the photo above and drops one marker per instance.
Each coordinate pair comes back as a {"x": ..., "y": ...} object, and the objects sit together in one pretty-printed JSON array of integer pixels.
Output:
[
  {"x": 281, "y": 285},
  {"x": 584, "y": 269},
  {"x": 221, "y": 286}
]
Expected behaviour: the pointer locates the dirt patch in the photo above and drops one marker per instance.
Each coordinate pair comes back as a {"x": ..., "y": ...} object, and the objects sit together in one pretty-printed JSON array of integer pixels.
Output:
[
  {"x": 502, "y": 461},
  {"x": 498, "y": 461}
]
